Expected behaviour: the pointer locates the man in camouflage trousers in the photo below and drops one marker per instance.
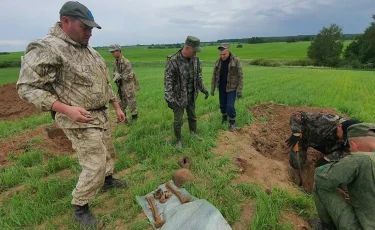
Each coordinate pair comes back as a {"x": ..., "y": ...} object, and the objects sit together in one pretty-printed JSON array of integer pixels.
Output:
[
  {"x": 357, "y": 171},
  {"x": 61, "y": 72},
  {"x": 323, "y": 132},
  {"x": 182, "y": 81},
  {"x": 228, "y": 78},
  {"x": 125, "y": 79}
]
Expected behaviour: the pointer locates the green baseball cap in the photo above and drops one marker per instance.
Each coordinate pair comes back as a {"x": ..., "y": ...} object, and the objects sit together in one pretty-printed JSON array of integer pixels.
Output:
[
  {"x": 193, "y": 42},
  {"x": 114, "y": 47},
  {"x": 361, "y": 130},
  {"x": 80, "y": 11}
]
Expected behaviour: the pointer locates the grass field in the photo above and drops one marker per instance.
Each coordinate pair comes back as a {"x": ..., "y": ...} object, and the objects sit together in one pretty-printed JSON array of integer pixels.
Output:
[
  {"x": 279, "y": 50},
  {"x": 146, "y": 149}
]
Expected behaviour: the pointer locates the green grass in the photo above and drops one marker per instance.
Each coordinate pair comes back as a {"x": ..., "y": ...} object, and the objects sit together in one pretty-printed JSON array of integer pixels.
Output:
[
  {"x": 8, "y": 75},
  {"x": 147, "y": 147},
  {"x": 279, "y": 50}
]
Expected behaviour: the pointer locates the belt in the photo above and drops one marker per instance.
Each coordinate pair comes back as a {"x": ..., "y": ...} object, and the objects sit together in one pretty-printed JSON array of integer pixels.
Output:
[{"x": 99, "y": 109}]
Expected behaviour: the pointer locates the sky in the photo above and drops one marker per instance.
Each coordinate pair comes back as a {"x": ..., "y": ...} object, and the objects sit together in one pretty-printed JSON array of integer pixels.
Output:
[{"x": 167, "y": 21}]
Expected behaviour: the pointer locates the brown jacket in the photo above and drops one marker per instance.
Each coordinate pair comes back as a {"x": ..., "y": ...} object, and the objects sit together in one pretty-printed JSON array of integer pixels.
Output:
[{"x": 235, "y": 75}]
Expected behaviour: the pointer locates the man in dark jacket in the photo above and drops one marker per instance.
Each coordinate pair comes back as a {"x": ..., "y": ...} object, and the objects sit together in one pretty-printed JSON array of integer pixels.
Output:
[
  {"x": 228, "y": 78},
  {"x": 182, "y": 81}
]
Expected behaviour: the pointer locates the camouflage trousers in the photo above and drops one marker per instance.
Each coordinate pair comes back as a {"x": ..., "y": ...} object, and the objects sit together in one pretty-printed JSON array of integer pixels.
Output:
[
  {"x": 127, "y": 97},
  {"x": 334, "y": 209},
  {"x": 96, "y": 155}
]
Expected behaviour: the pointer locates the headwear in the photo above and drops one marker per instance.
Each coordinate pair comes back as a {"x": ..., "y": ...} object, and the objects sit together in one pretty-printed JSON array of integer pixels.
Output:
[
  {"x": 346, "y": 124},
  {"x": 224, "y": 46},
  {"x": 80, "y": 11},
  {"x": 114, "y": 47},
  {"x": 362, "y": 130},
  {"x": 193, "y": 42}
]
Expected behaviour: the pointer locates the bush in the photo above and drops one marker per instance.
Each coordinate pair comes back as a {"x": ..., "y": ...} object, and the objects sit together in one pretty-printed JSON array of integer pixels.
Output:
[
  {"x": 239, "y": 46},
  {"x": 9, "y": 64}
]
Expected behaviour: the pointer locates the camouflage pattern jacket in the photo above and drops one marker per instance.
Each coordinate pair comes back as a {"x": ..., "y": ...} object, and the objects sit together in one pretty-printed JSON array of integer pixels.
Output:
[
  {"x": 319, "y": 131},
  {"x": 176, "y": 79},
  {"x": 235, "y": 75},
  {"x": 57, "y": 68},
  {"x": 357, "y": 171},
  {"x": 123, "y": 69}
]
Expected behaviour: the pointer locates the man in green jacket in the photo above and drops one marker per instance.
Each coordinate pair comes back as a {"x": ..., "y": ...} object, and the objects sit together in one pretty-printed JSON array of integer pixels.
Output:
[
  {"x": 357, "y": 171},
  {"x": 182, "y": 82},
  {"x": 228, "y": 78}
]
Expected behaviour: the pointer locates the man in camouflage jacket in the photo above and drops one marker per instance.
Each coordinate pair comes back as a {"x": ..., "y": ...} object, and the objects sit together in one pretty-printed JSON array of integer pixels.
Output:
[
  {"x": 61, "y": 73},
  {"x": 182, "y": 81},
  {"x": 125, "y": 80},
  {"x": 357, "y": 171},
  {"x": 228, "y": 78},
  {"x": 323, "y": 132}
]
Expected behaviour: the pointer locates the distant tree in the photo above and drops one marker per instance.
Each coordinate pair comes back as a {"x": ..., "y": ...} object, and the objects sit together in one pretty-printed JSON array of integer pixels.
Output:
[
  {"x": 363, "y": 48},
  {"x": 327, "y": 46},
  {"x": 291, "y": 39},
  {"x": 239, "y": 46}
]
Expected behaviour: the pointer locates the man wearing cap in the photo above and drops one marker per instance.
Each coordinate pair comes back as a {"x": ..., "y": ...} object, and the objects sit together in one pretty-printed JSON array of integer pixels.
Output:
[
  {"x": 62, "y": 73},
  {"x": 228, "y": 78},
  {"x": 125, "y": 80},
  {"x": 357, "y": 171},
  {"x": 182, "y": 81},
  {"x": 321, "y": 131}
]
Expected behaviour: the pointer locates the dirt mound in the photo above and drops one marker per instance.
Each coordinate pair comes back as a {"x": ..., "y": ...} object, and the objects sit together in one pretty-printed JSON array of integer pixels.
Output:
[
  {"x": 260, "y": 151},
  {"x": 12, "y": 107},
  {"x": 270, "y": 131},
  {"x": 46, "y": 138}
]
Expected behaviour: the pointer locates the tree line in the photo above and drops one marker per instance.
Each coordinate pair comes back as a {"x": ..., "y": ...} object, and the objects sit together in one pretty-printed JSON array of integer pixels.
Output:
[{"x": 327, "y": 49}]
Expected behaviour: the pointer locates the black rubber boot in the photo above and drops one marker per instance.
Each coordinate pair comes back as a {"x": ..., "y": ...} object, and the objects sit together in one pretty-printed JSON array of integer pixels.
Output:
[
  {"x": 110, "y": 183},
  {"x": 224, "y": 119},
  {"x": 177, "y": 133},
  {"x": 317, "y": 224},
  {"x": 193, "y": 129},
  {"x": 84, "y": 217},
  {"x": 232, "y": 126}
]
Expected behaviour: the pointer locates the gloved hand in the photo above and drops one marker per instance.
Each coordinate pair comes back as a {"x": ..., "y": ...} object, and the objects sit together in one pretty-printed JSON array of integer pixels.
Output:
[
  {"x": 117, "y": 77},
  {"x": 213, "y": 92},
  {"x": 239, "y": 95},
  {"x": 293, "y": 140},
  {"x": 205, "y": 93}
]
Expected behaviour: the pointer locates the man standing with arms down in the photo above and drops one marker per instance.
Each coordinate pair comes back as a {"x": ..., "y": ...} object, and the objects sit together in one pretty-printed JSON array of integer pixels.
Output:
[
  {"x": 182, "y": 81},
  {"x": 228, "y": 77},
  {"x": 357, "y": 171},
  {"x": 61, "y": 73},
  {"x": 125, "y": 80}
]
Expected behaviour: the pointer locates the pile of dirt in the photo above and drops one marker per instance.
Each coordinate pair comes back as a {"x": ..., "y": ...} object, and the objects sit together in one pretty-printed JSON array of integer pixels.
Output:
[
  {"x": 12, "y": 107},
  {"x": 45, "y": 138}
]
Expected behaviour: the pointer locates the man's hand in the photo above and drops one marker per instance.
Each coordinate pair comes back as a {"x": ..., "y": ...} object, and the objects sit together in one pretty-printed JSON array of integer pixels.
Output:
[
  {"x": 239, "y": 95},
  {"x": 213, "y": 92},
  {"x": 78, "y": 114},
  {"x": 120, "y": 115},
  {"x": 293, "y": 140},
  {"x": 205, "y": 93}
]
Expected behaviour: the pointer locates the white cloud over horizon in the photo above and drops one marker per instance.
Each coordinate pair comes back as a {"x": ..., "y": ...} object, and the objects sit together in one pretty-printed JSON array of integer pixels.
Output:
[{"x": 166, "y": 21}]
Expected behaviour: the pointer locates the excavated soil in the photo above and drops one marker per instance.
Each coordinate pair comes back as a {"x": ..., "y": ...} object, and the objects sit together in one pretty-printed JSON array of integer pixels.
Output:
[
  {"x": 12, "y": 107},
  {"x": 45, "y": 138}
]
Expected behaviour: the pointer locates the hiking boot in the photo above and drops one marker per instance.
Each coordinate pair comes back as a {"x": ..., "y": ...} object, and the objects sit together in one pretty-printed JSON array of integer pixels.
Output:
[
  {"x": 317, "y": 224},
  {"x": 184, "y": 162},
  {"x": 232, "y": 126},
  {"x": 135, "y": 117},
  {"x": 224, "y": 119},
  {"x": 110, "y": 183},
  {"x": 84, "y": 217}
]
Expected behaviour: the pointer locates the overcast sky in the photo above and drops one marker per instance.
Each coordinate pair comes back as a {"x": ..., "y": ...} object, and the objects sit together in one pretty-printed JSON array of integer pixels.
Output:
[{"x": 167, "y": 21}]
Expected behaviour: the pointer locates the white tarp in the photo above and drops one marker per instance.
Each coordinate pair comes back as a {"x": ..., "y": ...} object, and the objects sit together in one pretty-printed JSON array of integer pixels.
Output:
[{"x": 198, "y": 214}]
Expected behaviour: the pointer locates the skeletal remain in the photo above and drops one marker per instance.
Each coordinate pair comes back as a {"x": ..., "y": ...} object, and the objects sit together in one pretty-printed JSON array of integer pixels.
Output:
[
  {"x": 182, "y": 198},
  {"x": 158, "y": 221}
]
